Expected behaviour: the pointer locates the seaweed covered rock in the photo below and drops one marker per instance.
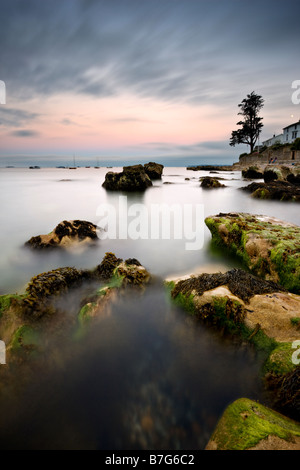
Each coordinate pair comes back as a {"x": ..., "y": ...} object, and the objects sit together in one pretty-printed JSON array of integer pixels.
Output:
[
  {"x": 248, "y": 425},
  {"x": 276, "y": 173},
  {"x": 132, "y": 178},
  {"x": 285, "y": 391},
  {"x": 107, "y": 266},
  {"x": 268, "y": 247},
  {"x": 240, "y": 302},
  {"x": 208, "y": 182},
  {"x": 252, "y": 173},
  {"x": 154, "y": 170},
  {"x": 44, "y": 289},
  {"x": 65, "y": 235},
  {"x": 276, "y": 190}
]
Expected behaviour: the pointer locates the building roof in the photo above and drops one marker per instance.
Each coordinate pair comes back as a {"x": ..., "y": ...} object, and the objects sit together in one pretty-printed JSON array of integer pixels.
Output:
[{"x": 291, "y": 125}]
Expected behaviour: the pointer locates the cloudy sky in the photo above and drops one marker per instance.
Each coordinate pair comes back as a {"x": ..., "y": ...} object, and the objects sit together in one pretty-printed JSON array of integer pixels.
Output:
[{"x": 133, "y": 79}]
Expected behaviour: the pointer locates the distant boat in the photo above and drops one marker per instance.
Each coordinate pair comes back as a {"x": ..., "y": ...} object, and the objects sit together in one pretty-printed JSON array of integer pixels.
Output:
[
  {"x": 60, "y": 167},
  {"x": 72, "y": 168},
  {"x": 10, "y": 166},
  {"x": 34, "y": 167}
]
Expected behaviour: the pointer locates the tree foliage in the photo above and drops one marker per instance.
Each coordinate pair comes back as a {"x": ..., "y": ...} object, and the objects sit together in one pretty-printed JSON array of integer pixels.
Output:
[{"x": 251, "y": 124}]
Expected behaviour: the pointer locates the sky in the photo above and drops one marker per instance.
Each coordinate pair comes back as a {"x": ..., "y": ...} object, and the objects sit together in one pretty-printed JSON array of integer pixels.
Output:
[{"x": 132, "y": 80}]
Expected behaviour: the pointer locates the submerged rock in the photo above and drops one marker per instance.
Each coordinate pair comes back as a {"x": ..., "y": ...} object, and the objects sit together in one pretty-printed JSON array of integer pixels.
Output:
[
  {"x": 65, "y": 235},
  {"x": 209, "y": 182},
  {"x": 248, "y": 425},
  {"x": 154, "y": 170},
  {"x": 268, "y": 247},
  {"x": 132, "y": 178}
]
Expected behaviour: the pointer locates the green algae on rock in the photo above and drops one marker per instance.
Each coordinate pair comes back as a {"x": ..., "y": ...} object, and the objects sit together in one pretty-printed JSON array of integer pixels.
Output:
[
  {"x": 278, "y": 190},
  {"x": 40, "y": 312},
  {"x": 253, "y": 310},
  {"x": 268, "y": 247},
  {"x": 248, "y": 425}
]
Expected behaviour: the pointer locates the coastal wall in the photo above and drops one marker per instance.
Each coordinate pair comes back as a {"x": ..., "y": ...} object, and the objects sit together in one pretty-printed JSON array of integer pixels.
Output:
[{"x": 282, "y": 155}]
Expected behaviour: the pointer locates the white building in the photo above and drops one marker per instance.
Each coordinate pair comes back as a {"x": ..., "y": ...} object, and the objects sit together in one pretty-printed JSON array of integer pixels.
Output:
[
  {"x": 290, "y": 134},
  {"x": 274, "y": 140}
]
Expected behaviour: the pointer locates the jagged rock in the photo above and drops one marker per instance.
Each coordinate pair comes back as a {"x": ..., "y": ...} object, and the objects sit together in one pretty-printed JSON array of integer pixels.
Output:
[
  {"x": 248, "y": 425},
  {"x": 209, "y": 182},
  {"x": 65, "y": 235},
  {"x": 270, "y": 248},
  {"x": 154, "y": 170},
  {"x": 132, "y": 178}
]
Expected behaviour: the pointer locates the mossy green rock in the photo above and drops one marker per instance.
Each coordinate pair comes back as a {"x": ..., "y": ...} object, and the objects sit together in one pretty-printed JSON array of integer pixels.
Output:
[
  {"x": 268, "y": 247},
  {"x": 248, "y": 425}
]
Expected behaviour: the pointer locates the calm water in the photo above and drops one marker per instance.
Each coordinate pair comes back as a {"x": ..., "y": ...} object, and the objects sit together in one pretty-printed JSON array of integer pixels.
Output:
[
  {"x": 33, "y": 202},
  {"x": 146, "y": 376}
]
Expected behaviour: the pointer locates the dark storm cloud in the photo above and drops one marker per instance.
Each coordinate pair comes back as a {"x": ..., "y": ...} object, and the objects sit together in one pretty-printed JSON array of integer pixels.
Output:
[{"x": 192, "y": 51}]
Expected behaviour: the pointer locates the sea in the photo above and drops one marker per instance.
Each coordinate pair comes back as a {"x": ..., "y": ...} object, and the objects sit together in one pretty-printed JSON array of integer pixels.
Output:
[{"x": 148, "y": 376}]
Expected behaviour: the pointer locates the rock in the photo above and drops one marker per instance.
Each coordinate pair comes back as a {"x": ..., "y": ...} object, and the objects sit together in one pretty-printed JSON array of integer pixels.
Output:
[
  {"x": 268, "y": 247},
  {"x": 43, "y": 290},
  {"x": 285, "y": 388},
  {"x": 254, "y": 311},
  {"x": 293, "y": 178},
  {"x": 252, "y": 173},
  {"x": 248, "y": 425},
  {"x": 132, "y": 178},
  {"x": 65, "y": 235},
  {"x": 275, "y": 173},
  {"x": 211, "y": 183},
  {"x": 238, "y": 299},
  {"x": 277, "y": 190},
  {"x": 154, "y": 170},
  {"x": 210, "y": 168}
]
